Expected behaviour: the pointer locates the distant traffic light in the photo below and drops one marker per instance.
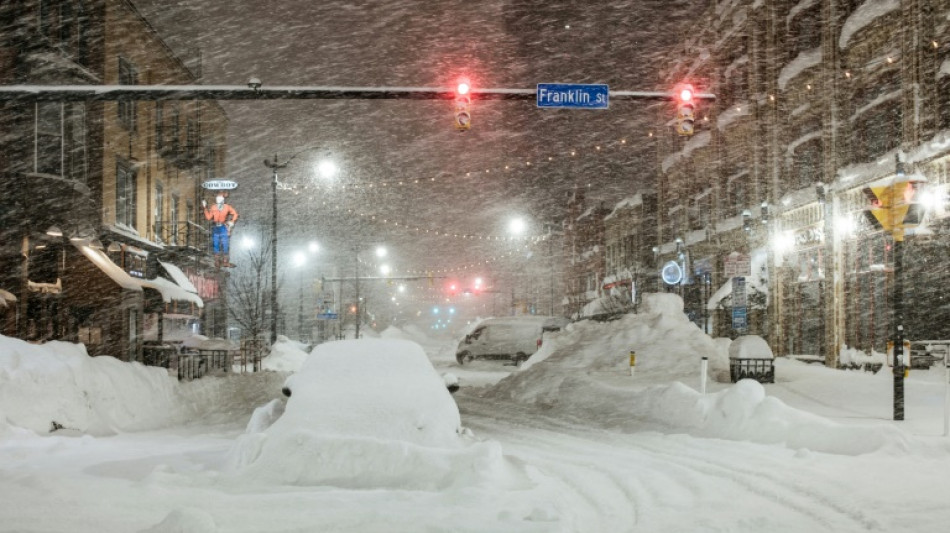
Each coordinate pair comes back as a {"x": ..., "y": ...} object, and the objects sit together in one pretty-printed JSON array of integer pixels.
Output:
[
  {"x": 685, "y": 110},
  {"x": 463, "y": 104}
]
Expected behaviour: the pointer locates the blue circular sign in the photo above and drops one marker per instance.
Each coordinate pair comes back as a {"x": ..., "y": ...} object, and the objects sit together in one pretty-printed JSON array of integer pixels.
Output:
[{"x": 672, "y": 273}]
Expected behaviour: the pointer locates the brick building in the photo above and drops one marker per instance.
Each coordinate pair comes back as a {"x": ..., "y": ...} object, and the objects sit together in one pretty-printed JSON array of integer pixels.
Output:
[
  {"x": 101, "y": 239},
  {"x": 815, "y": 101}
]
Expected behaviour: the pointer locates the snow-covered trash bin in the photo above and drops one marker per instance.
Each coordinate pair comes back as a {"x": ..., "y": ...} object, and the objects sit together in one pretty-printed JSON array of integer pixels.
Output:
[{"x": 751, "y": 358}]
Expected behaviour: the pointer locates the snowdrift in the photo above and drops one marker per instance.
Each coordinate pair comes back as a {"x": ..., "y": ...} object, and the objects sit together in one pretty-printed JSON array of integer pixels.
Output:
[
  {"x": 583, "y": 373},
  {"x": 365, "y": 414},
  {"x": 59, "y": 382},
  {"x": 285, "y": 356}
]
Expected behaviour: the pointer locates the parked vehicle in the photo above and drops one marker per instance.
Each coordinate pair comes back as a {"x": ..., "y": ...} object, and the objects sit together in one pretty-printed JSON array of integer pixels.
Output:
[{"x": 512, "y": 339}]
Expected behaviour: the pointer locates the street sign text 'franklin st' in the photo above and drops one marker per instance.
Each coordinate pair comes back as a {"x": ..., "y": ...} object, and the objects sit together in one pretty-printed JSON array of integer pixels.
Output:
[{"x": 573, "y": 95}]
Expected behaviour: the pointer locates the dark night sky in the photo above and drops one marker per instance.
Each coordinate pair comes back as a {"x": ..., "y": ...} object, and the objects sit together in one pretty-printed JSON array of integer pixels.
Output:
[{"x": 517, "y": 43}]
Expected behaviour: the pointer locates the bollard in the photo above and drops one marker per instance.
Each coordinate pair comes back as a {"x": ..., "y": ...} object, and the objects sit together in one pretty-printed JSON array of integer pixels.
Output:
[
  {"x": 704, "y": 366},
  {"x": 633, "y": 361},
  {"x": 946, "y": 400}
]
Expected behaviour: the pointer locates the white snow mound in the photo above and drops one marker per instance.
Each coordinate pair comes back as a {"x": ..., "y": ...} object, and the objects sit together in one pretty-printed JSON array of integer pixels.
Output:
[
  {"x": 366, "y": 413},
  {"x": 583, "y": 373},
  {"x": 285, "y": 356}
]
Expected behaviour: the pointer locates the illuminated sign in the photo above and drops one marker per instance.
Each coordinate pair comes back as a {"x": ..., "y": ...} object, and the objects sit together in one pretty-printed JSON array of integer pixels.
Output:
[
  {"x": 219, "y": 185},
  {"x": 672, "y": 273}
]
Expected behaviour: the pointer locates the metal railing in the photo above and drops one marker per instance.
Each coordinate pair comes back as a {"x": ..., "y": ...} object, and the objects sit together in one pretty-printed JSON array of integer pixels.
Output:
[{"x": 185, "y": 234}]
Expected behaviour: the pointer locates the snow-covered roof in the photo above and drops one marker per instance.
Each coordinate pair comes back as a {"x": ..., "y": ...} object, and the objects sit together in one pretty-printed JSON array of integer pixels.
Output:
[
  {"x": 864, "y": 15},
  {"x": 630, "y": 201},
  {"x": 729, "y": 116},
  {"x": 798, "y": 8},
  {"x": 114, "y": 271},
  {"x": 801, "y": 63},
  {"x": 179, "y": 277},
  {"x": 130, "y": 233},
  {"x": 944, "y": 69},
  {"x": 698, "y": 141},
  {"x": 876, "y": 102},
  {"x": 169, "y": 290},
  {"x": 6, "y": 297}
]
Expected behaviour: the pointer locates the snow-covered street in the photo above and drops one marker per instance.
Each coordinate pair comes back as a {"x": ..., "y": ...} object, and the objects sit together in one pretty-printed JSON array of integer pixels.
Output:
[{"x": 569, "y": 442}]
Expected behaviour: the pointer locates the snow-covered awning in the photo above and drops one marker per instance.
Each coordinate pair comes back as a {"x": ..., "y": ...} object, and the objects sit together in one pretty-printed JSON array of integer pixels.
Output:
[
  {"x": 6, "y": 297},
  {"x": 169, "y": 290}
]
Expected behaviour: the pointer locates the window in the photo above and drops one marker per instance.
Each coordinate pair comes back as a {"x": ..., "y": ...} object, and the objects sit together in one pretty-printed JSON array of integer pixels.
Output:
[
  {"x": 807, "y": 165},
  {"x": 159, "y": 208},
  {"x": 128, "y": 75},
  {"x": 173, "y": 129},
  {"x": 191, "y": 138},
  {"x": 75, "y": 145},
  {"x": 49, "y": 138},
  {"x": 173, "y": 218},
  {"x": 125, "y": 195},
  {"x": 159, "y": 125}
]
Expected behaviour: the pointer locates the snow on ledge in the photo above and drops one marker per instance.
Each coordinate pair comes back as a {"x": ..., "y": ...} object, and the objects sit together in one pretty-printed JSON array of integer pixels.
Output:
[
  {"x": 803, "y": 62},
  {"x": 864, "y": 15},
  {"x": 698, "y": 141}
]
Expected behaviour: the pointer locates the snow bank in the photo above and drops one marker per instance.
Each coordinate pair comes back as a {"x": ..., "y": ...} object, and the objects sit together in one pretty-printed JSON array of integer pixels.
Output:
[
  {"x": 362, "y": 414},
  {"x": 668, "y": 345},
  {"x": 58, "y": 382},
  {"x": 750, "y": 347},
  {"x": 854, "y": 357},
  {"x": 864, "y": 15},
  {"x": 583, "y": 373},
  {"x": 285, "y": 356}
]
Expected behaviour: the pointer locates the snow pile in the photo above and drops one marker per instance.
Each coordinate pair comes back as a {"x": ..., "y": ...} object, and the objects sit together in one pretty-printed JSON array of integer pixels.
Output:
[
  {"x": 852, "y": 357},
  {"x": 583, "y": 373},
  {"x": 285, "y": 356},
  {"x": 667, "y": 344},
  {"x": 864, "y": 15},
  {"x": 200, "y": 342},
  {"x": 188, "y": 520},
  {"x": 365, "y": 414},
  {"x": 58, "y": 382}
]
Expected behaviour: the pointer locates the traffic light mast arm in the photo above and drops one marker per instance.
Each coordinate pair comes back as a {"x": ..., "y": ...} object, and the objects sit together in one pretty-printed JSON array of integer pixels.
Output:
[{"x": 106, "y": 93}]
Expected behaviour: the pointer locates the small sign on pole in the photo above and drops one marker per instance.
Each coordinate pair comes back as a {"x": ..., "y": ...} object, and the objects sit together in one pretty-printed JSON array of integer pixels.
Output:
[{"x": 633, "y": 361}]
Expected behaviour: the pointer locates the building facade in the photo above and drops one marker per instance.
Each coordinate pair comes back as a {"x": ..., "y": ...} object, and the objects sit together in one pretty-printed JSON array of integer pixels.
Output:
[
  {"x": 102, "y": 241},
  {"x": 816, "y": 101}
]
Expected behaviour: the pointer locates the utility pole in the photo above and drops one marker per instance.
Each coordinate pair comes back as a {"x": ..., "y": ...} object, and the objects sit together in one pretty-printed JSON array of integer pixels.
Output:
[{"x": 898, "y": 233}]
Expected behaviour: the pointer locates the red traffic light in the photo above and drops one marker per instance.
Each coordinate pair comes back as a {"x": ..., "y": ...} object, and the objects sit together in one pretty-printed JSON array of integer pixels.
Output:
[
  {"x": 686, "y": 94},
  {"x": 463, "y": 87}
]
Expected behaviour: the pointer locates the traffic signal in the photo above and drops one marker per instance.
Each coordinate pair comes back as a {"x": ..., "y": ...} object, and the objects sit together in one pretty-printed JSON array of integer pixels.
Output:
[
  {"x": 685, "y": 110},
  {"x": 463, "y": 104}
]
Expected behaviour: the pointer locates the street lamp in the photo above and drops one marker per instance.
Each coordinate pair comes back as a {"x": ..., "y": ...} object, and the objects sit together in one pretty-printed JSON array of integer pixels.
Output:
[{"x": 276, "y": 165}]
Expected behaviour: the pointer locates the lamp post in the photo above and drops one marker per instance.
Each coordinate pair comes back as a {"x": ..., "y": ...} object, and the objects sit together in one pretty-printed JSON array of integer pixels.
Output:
[{"x": 327, "y": 169}]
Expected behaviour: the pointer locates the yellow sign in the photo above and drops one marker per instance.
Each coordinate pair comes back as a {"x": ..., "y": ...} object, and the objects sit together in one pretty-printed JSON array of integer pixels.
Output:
[{"x": 894, "y": 207}]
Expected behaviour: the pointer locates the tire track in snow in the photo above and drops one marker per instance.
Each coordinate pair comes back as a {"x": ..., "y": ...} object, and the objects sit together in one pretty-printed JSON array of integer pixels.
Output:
[{"x": 649, "y": 470}]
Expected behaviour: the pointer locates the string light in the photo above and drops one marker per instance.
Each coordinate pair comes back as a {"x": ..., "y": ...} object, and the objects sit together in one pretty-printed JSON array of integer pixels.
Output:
[
  {"x": 530, "y": 239},
  {"x": 597, "y": 150}
]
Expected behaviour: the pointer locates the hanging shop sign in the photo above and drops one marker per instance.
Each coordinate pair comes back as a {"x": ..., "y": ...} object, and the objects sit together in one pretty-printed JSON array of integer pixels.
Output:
[
  {"x": 672, "y": 273},
  {"x": 809, "y": 236},
  {"x": 220, "y": 185}
]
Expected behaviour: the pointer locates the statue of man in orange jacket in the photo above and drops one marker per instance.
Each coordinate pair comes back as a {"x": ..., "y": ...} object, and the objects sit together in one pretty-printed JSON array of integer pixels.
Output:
[{"x": 223, "y": 217}]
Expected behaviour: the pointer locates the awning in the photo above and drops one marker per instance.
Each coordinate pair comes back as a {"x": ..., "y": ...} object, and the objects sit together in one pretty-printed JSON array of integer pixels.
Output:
[
  {"x": 6, "y": 297},
  {"x": 169, "y": 290}
]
